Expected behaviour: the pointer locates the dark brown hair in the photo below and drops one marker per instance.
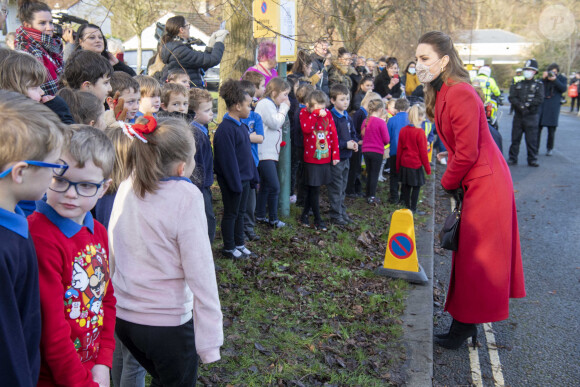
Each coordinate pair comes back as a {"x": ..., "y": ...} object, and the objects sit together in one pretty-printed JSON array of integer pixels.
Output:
[
  {"x": 121, "y": 81},
  {"x": 171, "y": 142},
  {"x": 172, "y": 28},
  {"x": 84, "y": 106},
  {"x": 303, "y": 91},
  {"x": 302, "y": 61},
  {"x": 232, "y": 93},
  {"x": 27, "y": 9},
  {"x": 85, "y": 66},
  {"x": 337, "y": 90},
  {"x": 248, "y": 87},
  {"x": 453, "y": 73}
]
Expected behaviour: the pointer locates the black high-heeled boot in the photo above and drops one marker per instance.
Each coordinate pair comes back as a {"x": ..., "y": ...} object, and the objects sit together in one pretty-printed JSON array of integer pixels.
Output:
[
  {"x": 446, "y": 334},
  {"x": 458, "y": 333}
]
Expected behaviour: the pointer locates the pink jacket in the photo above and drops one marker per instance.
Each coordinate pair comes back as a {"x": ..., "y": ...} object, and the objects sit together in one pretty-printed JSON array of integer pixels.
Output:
[
  {"x": 162, "y": 262},
  {"x": 375, "y": 135}
]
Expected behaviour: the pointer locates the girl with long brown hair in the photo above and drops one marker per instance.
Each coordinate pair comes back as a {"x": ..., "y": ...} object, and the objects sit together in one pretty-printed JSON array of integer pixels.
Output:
[{"x": 487, "y": 266}]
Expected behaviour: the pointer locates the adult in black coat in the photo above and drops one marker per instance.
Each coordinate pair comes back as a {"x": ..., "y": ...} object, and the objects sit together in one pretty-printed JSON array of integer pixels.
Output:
[
  {"x": 91, "y": 38},
  {"x": 176, "y": 53},
  {"x": 320, "y": 63},
  {"x": 554, "y": 85},
  {"x": 387, "y": 83}
]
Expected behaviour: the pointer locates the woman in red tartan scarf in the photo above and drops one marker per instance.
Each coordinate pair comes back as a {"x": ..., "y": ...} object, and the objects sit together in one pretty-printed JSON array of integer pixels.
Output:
[{"x": 35, "y": 37}]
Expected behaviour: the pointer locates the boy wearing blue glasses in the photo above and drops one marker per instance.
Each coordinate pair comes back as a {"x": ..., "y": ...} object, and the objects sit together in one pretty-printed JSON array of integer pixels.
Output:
[
  {"x": 73, "y": 257},
  {"x": 32, "y": 137}
]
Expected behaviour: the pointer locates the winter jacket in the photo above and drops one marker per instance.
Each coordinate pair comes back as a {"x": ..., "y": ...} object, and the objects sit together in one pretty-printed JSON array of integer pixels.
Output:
[
  {"x": 550, "y": 107},
  {"x": 318, "y": 65},
  {"x": 273, "y": 118},
  {"x": 176, "y": 55},
  {"x": 382, "y": 86}
]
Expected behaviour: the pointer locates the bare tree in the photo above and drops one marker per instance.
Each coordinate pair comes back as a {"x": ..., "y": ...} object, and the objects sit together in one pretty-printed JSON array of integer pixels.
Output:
[{"x": 136, "y": 15}]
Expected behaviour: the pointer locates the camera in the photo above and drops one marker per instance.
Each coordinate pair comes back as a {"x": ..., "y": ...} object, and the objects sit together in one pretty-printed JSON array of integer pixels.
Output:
[
  {"x": 64, "y": 20},
  {"x": 551, "y": 74}
]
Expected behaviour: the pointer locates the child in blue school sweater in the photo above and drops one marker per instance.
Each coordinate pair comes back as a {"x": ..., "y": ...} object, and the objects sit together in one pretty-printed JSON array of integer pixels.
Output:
[
  {"x": 394, "y": 126},
  {"x": 234, "y": 167}
]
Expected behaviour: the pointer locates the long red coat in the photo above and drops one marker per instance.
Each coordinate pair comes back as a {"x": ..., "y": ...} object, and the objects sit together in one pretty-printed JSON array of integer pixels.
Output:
[{"x": 487, "y": 268}]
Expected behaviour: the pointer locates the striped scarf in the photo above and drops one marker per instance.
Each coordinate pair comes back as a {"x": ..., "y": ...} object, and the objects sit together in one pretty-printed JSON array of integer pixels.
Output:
[{"x": 47, "y": 49}]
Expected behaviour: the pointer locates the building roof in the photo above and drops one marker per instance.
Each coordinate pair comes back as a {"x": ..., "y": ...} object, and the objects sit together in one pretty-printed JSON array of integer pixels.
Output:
[{"x": 487, "y": 36}]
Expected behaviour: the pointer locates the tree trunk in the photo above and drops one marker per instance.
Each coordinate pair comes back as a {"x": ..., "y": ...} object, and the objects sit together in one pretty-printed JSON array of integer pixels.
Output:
[
  {"x": 139, "y": 53},
  {"x": 240, "y": 44}
]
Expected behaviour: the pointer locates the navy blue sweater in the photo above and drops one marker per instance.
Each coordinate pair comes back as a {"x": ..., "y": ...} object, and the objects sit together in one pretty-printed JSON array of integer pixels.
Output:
[
  {"x": 233, "y": 159},
  {"x": 296, "y": 130},
  {"x": 20, "y": 303},
  {"x": 345, "y": 131},
  {"x": 358, "y": 117},
  {"x": 203, "y": 173}
]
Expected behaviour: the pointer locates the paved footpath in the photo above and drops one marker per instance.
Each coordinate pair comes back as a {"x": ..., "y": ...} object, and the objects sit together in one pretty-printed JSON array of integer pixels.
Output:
[{"x": 539, "y": 345}]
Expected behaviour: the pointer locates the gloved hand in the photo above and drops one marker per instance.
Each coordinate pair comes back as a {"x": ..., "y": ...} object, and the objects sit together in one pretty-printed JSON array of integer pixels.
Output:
[
  {"x": 220, "y": 35},
  {"x": 211, "y": 41}
]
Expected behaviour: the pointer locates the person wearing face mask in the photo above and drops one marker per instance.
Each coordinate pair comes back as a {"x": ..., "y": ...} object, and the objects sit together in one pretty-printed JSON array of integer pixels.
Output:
[
  {"x": 36, "y": 36},
  {"x": 409, "y": 79},
  {"x": 487, "y": 267},
  {"x": 387, "y": 83},
  {"x": 526, "y": 96},
  {"x": 554, "y": 85}
]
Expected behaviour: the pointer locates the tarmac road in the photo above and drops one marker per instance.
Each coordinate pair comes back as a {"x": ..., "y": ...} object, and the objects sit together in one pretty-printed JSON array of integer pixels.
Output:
[{"x": 539, "y": 345}]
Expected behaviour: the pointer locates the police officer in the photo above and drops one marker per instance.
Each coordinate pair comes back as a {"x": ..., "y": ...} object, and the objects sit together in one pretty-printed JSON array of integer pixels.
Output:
[
  {"x": 518, "y": 78},
  {"x": 526, "y": 96},
  {"x": 487, "y": 84}
]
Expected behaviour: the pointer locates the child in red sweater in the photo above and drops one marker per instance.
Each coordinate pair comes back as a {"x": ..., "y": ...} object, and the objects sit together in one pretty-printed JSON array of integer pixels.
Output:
[
  {"x": 76, "y": 295},
  {"x": 411, "y": 156},
  {"x": 320, "y": 149}
]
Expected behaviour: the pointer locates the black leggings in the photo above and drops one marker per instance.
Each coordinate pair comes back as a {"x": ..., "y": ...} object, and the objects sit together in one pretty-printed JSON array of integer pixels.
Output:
[
  {"x": 167, "y": 353},
  {"x": 312, "y": 202},
  {"x": 373, "y": 162},
  {"x": 410, "y": 196}
]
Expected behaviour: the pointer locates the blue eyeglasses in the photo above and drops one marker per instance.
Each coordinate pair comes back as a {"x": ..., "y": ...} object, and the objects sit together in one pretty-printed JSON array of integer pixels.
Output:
[{"x": 57, "y": 169}]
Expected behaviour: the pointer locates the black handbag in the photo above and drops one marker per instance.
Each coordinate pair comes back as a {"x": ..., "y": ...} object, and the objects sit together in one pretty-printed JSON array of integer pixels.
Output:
[{"x": 449, "y": 234}]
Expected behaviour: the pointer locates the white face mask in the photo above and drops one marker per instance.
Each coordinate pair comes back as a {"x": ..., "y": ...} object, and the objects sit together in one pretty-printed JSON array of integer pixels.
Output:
[
  {"x": 424, "y": 72},
  {"x": 411, "y": 70},
  {"x": 529, "y": 74}
]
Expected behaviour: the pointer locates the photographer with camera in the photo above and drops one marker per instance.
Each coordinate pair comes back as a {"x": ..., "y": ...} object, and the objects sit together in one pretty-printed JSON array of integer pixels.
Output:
[
  {"x": 176, "y": 51},
  {"x": 90, "y": 37},
  {"x": 554, "y": 85}
]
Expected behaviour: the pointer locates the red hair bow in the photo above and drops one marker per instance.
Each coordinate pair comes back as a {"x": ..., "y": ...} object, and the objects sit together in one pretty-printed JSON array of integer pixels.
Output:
[{"x": 138, "y": 130}]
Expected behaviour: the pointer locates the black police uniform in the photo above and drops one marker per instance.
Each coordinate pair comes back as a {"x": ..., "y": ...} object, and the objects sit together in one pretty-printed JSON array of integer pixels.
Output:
[{"x": 526, "y": 97}]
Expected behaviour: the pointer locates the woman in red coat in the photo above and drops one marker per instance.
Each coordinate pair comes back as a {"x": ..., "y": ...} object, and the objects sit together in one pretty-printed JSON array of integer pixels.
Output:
[{"x": 487, "y": 267}]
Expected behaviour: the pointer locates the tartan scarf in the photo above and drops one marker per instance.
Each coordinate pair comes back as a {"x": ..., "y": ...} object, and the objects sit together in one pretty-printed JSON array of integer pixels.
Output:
[{"x": 47, "y": 49}]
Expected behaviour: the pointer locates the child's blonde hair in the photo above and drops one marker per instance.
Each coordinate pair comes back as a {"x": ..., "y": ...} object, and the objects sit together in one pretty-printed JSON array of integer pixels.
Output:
[
  {"x": 369, "y": 97},
  {"x": 85, "y": 107},
  {"x": 121, "y": 143},
  {"x": 169, "y": 89},
  {"x": 148, "y": 86},
  {"x": 29, "y": 130},
  {"x": 19, "y": 71},
  {"x": 276, "y": 86},
  {"x": 198, "y": 96},
  {"x": 417, "y": 115},
  {"x": 392, "y": 103},
  {"x": 90, "y": 144},
  {"x": 376, "y": 105},
  {"x": 172, "y": 141}
]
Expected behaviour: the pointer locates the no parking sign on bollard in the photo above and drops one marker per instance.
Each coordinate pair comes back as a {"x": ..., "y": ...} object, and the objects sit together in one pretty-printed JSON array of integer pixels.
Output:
[{"x": 401, "y": 256}]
